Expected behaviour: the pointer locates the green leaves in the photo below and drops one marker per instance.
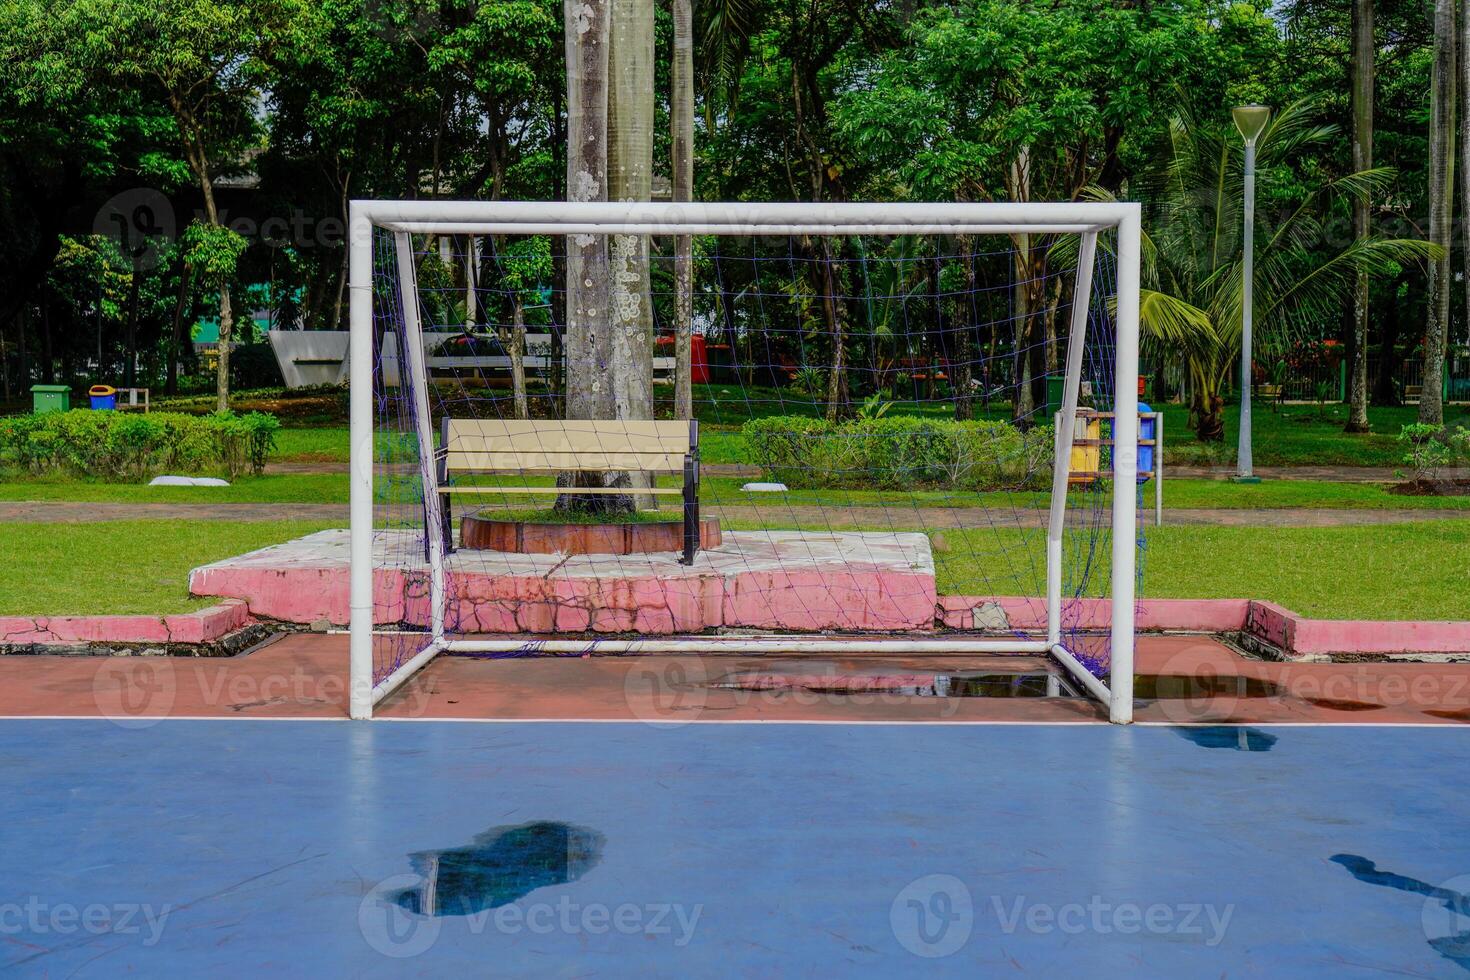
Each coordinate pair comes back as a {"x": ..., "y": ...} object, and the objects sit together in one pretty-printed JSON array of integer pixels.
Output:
[{"x": 213, "y": 252}]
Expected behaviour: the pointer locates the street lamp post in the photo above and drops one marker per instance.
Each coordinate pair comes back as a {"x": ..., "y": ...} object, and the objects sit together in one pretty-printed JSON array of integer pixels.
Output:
[{"x": 1250, "y": 120}]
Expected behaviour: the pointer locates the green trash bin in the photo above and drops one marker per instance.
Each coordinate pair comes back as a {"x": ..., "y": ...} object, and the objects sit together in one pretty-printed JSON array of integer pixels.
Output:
[
  {"x": 50, "y": 398},
  {"x": 1055, "y": 388}
]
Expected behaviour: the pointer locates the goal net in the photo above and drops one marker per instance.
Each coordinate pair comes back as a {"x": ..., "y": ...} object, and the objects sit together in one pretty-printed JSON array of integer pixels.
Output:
[{"x": 635, "y": 428}]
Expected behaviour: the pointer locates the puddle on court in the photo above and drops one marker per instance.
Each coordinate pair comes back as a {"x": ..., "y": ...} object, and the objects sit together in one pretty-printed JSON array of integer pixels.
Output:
[
  {"x": 1240, "y": 739},
  {"x": 910, "y": 679},
  {"x": 904, "y": 683},
  {"x": 499, "y": 866},
  {"x": 1444, "y": 908},
  {"x": 1179, "y": 687}
]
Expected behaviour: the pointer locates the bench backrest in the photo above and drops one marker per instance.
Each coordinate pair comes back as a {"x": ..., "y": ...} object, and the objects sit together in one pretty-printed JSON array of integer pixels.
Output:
[{"x": 551, "y": 445}]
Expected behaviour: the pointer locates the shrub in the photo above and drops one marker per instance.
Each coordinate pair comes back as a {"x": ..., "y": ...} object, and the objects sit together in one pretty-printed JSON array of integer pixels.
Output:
[
  {"x": 900, "y": 453},
  {"x": 1432, "y": 448},
  {"x": 131, "y": 446}
]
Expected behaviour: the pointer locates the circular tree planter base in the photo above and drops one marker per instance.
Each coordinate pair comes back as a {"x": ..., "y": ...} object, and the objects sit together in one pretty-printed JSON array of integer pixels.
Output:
[{"x": 537, "y": 538}]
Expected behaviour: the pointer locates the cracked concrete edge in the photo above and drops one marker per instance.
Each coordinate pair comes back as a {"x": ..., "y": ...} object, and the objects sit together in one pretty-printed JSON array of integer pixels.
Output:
[{"x": 200, "y": 626}]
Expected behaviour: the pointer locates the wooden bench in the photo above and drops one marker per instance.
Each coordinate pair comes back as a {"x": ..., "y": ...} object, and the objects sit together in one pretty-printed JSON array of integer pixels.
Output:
[{"x": 549, "y": 446}]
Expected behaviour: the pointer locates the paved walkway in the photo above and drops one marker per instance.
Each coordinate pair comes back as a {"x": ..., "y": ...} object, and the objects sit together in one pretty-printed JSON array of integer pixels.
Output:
[
  {"x": 807, "y": 516},
  {"x": 1325, "y": 474}
]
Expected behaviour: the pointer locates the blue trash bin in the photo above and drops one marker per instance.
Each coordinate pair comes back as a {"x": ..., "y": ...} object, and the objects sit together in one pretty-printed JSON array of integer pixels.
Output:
[
  {"x": 104, "y": 397},
  {"x": 1145, "y": 453}
]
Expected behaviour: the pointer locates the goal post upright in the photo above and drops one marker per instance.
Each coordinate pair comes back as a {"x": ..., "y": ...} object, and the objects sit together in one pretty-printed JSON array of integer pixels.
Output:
[
  {"x": 1125, "y": 462},
  {"x": 406, "y": 218},
  {"x": 360, "y": 400}
]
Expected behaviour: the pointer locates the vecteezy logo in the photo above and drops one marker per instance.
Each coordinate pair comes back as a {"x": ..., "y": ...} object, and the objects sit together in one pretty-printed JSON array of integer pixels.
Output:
[
  {"x": 133, "y": 693},
  {"x": 391, "y": 929},
  {"x": 933, "y": 916},
  {"x": 666, "y": 690},
  {"x": 139, "y": 220},
  {"x": 1446, "y": 919}
]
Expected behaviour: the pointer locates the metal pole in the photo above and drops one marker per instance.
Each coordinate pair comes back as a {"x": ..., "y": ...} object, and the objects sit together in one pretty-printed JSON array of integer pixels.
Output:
[
  {"x": 1066, "y": 419},
  {"x": 1125, "y": 464},
  {"x": 1243, "y": 466},
  {"x": 360, "y": 398},
  {"x": 416, "y": 381},
  {"x": 1158, "y": 469}
]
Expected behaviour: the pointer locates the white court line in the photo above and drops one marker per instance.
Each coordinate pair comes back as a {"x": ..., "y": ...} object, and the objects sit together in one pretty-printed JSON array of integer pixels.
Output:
[{"x": 131, "y": 719}]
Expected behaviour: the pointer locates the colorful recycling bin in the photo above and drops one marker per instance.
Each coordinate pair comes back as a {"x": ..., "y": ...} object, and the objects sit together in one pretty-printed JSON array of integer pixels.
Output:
[
  {"x": 104, "y": 397},
  {"x": 1146, "y": 429},
  {"x": 1086, "y": 449}
]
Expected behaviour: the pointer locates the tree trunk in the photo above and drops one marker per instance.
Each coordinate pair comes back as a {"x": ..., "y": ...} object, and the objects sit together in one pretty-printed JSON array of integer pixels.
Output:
[
  {"x": 589, "y": 395},
  {"x": 226, "y": 333},
  {"x": 518, "y": 359},
  {"x": 588, "y": 354},
  {"x": 839, "y": 400},
  {"x": 681, "y": 98},
  {"x": 176, "y": 334},
  {"x": 630, "y": 178},
  {"x": 1363, "y": 54},
  {"x": 1441, "y": 197},
  {"x": 1020, "y": 190},
  {"x": 471, "y": 282},
  {"x": 1465, "y": 146},
  {"x": 130, "y": 333}
]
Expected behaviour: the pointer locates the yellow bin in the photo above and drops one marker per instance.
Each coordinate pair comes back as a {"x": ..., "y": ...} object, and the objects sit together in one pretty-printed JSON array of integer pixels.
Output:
[{"x": 1086, "y": 449}]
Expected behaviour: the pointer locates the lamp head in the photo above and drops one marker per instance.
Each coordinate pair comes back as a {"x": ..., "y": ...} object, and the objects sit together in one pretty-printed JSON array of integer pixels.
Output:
[{"x": 1251, "y": 120}]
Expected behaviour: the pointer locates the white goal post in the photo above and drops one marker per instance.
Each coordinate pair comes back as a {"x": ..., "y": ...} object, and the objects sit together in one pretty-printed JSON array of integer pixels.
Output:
[{"x": 1087, "y": 220}]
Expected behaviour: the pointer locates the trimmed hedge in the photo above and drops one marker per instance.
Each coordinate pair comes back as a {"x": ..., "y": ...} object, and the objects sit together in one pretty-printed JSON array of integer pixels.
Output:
[
  {"x": 900, "y": 453},
  {"x": 133, "y": 446}
]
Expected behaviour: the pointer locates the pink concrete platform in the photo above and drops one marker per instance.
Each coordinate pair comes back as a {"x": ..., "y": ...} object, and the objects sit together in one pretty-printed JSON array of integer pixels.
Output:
[
  {"x": 201, "y": 626},
  {"x": 781, "y": 580},
  {"x": 1293, "y": 635}
]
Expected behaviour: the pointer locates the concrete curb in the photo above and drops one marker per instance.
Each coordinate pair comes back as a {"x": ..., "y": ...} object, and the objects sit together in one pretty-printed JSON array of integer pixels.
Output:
[
  {"x": 1296, "y": 636},
  {"x": 203, "y": 626}
]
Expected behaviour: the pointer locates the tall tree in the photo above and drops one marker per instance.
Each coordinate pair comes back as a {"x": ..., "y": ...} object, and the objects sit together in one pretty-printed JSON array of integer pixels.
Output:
[
  {"x": 1465, "y": 143},
  {"x": 681, "y": 105},
  {"x": 1441, "y": 210},
  {"x": 1362, "y": 103},
  {"x": 205, "y": 59}
]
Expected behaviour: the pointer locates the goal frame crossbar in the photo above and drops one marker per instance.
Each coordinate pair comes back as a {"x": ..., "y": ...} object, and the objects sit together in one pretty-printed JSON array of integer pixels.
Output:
[{"x": 1086, "y": 219}]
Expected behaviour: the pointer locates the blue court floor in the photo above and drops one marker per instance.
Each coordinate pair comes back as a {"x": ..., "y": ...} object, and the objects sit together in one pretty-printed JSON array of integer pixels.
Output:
[{"x": 230, "y": 848}]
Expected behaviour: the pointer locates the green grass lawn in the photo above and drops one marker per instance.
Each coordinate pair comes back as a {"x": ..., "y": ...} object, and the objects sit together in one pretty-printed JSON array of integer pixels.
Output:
[
  {"x": 1298, "y": 435},
  {"x": 121, "y": 566},
  {"x": 1397, "y": 571},
  {"x": 333, "y": 488},
  {"x": 269, "y": 489},
  {"x": 1393, "y": 571}
]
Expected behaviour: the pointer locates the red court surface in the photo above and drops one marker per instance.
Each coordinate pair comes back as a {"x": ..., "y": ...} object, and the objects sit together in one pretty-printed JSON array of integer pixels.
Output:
[{"x": 1182, "y": 680}]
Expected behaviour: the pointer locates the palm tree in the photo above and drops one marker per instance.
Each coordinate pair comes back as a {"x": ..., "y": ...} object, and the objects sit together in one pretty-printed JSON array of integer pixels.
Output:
[
  {"x": 1193, "y": 306},
  {"x": 1441, "y": 209},
  {"x": 1363, "y": 54}
]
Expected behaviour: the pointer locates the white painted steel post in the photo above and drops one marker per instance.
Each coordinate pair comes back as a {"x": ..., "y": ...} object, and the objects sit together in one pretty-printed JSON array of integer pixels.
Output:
[
  {"x": 1158, "y": 469},
  {"x": 1244, "y": 466},
  {"x": 1061, "y": 466},
  {"x": 418, "y": 377},
  {"x": 360, "y": 399},
  {"x": 1125, "y": 464}
]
